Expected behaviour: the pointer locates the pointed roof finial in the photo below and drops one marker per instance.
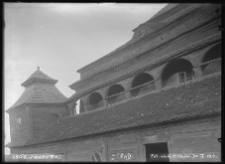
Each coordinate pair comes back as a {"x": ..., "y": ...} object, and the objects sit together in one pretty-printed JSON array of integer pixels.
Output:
[{"x": 39, "y": 76}]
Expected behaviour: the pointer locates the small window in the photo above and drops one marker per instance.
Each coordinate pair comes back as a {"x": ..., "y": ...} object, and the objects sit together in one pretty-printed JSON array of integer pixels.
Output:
[
  {"x": 182, "y": 77},
  {"x": 18, "y": 120},
  {"x": 96, "y": 157},
  {"x": 19, "y": 123}
]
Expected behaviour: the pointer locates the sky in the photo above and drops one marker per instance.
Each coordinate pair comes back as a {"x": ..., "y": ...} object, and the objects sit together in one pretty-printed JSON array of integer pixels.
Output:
[{"x": 61, "y": 38}]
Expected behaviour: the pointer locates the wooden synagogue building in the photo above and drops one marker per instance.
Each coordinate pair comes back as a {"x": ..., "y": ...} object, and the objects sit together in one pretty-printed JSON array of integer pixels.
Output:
[{"x": 155, "y": 98}]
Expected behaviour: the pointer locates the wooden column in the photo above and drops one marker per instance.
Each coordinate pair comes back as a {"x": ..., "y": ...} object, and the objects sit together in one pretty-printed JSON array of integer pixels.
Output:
[
  {"x": 198, "y": 72},
  {"x": 141, "y": 147},
  {"x": 105, "y": 150},
  {"x": 158, "y": 84},
  {"x": 105, "y": 103},
  {"x": 128, "y": 95}
]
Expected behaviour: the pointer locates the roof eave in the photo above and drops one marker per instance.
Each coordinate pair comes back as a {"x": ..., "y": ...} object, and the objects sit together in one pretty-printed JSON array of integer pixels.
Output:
[
  {"x": 33, "y": 80},
  {"x": 190, "y": 118},
  {"x": 29, "y": 103}
]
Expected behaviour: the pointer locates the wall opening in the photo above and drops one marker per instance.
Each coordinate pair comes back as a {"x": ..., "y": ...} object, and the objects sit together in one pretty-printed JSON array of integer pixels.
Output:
[
  {"x": 76, "y": 109},
  {"x": 138, "y": 81},
  {"x": 79, "y": 107},
  {"x": 115, "y": 93},
  {"x": 19, "y": 123},
  {"x": 157, "y": 152},
  {"x": 177, "y": 71},
  {"x": 212, "y": 54},
  {"x": 95, "y": 100}
]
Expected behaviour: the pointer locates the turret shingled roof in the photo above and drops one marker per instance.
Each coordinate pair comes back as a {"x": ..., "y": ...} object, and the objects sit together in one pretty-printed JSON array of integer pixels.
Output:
[
  {"x": 40, "y": 88},
  {"x": 39, "y": 76}
]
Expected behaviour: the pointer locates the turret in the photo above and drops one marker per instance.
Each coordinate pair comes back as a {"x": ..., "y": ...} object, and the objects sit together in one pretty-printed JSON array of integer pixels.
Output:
[{"x": 40, "y": 105}]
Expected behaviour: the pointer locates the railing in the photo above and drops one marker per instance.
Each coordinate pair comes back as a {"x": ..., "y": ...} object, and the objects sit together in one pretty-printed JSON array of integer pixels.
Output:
[
  {"x": 94, "y": 106},
  {"x": 189, "y": 77},
  {"x": 209, "y": 62},
  {"x": 204, "y": 66},
  {"x": 116, "y": 97},
  {"x": 143, "y": 88},
  {"x": 138, "y": 90}
]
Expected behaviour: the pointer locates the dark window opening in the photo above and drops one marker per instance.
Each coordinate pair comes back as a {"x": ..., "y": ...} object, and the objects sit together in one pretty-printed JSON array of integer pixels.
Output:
[
  {"x": 182, "y": 77},
  {"x": 115, "y": 93},
  {"x": 140, "y": 80},
  {"x": 177, "y": 71},
  {"x": 212, "y": 54},
  {"x": 157, "y": 152},
  {"x": 95, "y": 100}
]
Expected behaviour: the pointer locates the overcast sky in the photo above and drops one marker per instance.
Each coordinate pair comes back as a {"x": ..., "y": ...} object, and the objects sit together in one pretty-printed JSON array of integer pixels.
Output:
[{"x": 61, "y": 38}]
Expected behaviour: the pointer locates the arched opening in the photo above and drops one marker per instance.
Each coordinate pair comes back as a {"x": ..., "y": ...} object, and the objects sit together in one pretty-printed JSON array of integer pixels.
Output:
[
  {"x": 95, "y": 100},
  {"x": 115, "y": 93},
  {"x": 75, "y": 107},
  {"x": 177, "y": 71},
  {"x": 212, "y": 54},
  {"x": 79, "y": 108},
  {"x": 138, "y": 84}
]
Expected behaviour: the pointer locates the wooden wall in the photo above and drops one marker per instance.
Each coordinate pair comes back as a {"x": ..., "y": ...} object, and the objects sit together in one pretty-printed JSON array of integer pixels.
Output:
[{"x": 191, "y": 138}]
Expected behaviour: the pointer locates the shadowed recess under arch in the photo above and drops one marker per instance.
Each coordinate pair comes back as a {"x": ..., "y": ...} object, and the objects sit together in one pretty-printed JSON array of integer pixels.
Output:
[
  {"x": 212, "y": 54},
  {"x": 138, "y": 81},
  {"x": 178, "y": 70}
]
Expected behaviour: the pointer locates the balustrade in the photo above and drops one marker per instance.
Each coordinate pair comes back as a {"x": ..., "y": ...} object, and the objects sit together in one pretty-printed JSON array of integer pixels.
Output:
[
  {"x": 145, "y": 88},
  {"x": 116, "y": 97},
  {"x": 89, "y": 107}
]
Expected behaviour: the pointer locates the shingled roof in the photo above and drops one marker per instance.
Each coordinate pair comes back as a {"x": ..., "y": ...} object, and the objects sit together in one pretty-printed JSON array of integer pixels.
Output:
[
  {"x": 160, "y": 12},
  {"x": 164, "y": 10},
  {"x": 39, "y": 76},
  {"x": 40, "y": 88},
  {"x": 197, "y": 98}
]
